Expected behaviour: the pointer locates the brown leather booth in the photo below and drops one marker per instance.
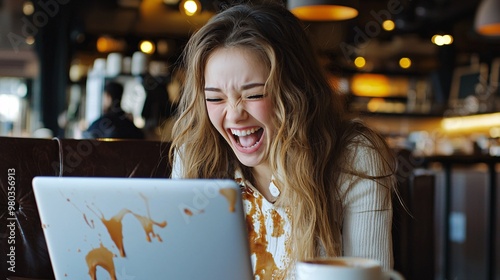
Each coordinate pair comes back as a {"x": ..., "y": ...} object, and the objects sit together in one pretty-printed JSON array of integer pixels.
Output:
[
  {"x": 21, "y": 159},
  {"x": 25, "y": 158},
  {"x": 413, "y": 231}
]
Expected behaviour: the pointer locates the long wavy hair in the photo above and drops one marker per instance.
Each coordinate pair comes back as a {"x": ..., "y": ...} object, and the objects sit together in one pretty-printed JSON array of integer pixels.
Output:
[{"x": 316, "y": 140}]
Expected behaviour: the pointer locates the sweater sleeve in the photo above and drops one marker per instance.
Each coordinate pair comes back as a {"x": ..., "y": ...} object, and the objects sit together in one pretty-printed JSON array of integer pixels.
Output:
[{"x": 367, "y": 223}]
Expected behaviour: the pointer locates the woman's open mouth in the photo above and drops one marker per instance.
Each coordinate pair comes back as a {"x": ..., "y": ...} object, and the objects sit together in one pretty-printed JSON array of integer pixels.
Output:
[{"x": 248, "y": 138}]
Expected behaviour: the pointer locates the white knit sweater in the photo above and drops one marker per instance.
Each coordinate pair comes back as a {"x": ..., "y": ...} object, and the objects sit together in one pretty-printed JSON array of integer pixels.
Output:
[{"x": 366, "y": 229}]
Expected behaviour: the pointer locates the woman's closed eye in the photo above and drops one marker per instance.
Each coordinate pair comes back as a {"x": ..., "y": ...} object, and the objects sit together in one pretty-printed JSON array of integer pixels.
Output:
[
  {"x": 214, "y": 99},
  {"x": 256, "y": 96}
]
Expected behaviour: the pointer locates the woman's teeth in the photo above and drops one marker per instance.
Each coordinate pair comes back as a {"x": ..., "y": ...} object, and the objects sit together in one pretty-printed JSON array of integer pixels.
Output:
[
  {"x": 247, "y": 138},
  {"x": 243, "y": 132}
]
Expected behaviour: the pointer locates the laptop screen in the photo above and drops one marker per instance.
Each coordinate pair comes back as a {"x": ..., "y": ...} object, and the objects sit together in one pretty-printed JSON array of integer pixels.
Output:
[{"x": 120, "y": 228}]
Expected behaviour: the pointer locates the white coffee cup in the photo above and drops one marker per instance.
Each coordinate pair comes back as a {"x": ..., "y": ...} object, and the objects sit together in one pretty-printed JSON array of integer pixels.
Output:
[{"x": 343, "y": 268}]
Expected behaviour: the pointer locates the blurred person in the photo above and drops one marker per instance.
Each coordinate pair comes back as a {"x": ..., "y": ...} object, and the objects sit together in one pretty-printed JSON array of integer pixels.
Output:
[{"x": 115, "y": 122}]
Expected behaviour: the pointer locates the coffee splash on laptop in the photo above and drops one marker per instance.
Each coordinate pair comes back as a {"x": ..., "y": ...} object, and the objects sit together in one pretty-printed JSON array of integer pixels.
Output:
[{"x": 103, "y": 257}]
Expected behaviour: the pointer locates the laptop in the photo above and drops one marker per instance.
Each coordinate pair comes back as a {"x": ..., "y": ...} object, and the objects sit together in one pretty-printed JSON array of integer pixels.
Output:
[{"x": 132, "y": 228}]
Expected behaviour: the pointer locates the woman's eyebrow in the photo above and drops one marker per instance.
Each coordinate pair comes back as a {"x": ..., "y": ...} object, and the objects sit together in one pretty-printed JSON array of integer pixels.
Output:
[
  {"x": 212, "y": 89},
  {"x": 244, "y": 87},
  {"x": 252, "y": 85}
]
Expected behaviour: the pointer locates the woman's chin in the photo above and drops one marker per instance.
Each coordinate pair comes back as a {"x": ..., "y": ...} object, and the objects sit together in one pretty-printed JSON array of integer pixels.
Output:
[
  {"x": 249, "y": 163},
  {"x": 249, "y": 160}
]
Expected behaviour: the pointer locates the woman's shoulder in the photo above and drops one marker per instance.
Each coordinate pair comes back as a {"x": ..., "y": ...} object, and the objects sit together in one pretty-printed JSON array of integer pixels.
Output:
[{"x": 367, "y": 152}]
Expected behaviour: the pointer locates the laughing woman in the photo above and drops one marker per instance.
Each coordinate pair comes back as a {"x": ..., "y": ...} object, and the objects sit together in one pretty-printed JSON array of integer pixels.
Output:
[{"x": 256, "y": 107}]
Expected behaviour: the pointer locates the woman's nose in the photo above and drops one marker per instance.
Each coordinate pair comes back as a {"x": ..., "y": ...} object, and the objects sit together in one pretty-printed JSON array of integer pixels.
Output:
[{"x": 236, "y": 111}]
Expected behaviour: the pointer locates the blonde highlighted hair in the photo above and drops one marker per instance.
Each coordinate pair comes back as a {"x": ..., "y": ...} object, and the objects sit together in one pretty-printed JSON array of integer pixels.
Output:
[{"x": 316, "y": 140}]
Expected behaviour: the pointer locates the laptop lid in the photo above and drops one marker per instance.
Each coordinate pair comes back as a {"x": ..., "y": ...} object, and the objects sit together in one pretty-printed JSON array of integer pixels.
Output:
[{"x": 131, "y": 228}]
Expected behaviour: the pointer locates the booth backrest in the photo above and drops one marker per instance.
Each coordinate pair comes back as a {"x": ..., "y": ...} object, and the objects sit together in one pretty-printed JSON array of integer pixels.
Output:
[
  {"x": 23, "y": 243},
  {"x": 413, "y": 233}
]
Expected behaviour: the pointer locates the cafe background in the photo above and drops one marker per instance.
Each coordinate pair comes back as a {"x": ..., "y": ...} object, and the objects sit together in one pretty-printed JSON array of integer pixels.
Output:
[{"x": 416, "y": 70}]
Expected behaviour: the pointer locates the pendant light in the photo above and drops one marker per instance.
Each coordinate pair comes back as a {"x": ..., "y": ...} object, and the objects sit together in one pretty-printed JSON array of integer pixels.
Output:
[
  {"x": 487, "y": 21},
  {"x": 324, "y": 10}
]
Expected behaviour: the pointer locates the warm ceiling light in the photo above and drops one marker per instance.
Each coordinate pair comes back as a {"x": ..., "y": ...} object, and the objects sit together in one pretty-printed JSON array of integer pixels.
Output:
[
  {"x": 190, "y": 7},
  {"x": 28, "y": 8},
  {"x": 323, "y": 10},
  {"x": 405, "y": 62},
  {"x": 388, "y": 25},
  {"x": 442, "y": 40},
  {"x": 487, "y": 21},
  {"x": 360, "y": 62},
  {"x": 147, "y": 47}
]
